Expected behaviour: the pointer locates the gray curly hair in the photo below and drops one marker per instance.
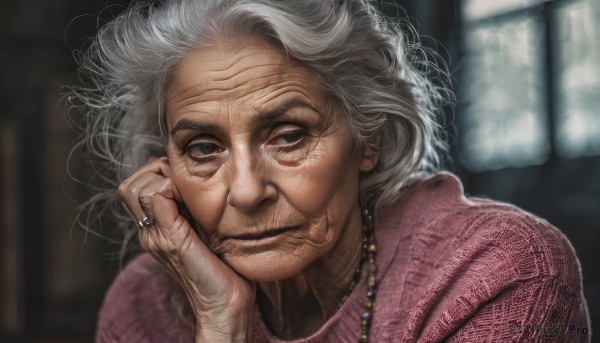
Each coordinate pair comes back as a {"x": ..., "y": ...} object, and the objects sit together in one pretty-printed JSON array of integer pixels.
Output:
[{"x": 375, "y": 68}]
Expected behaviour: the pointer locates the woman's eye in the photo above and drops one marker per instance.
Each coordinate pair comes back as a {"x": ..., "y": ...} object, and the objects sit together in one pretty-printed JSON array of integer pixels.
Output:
[
  {"x": 290, "y": 144},
  {"x": 289, "y": 138},
  {"x": 203, "y": 149}
]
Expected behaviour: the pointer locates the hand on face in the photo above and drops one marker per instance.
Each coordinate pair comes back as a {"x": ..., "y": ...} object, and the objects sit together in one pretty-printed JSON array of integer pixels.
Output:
[
  {"x": 219, "y": 297},
  {"x": 268, "y": 171}
]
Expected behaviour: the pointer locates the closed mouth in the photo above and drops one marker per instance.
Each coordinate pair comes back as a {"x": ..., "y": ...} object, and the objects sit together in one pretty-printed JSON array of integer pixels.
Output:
[{"x": 262, "y": 235}]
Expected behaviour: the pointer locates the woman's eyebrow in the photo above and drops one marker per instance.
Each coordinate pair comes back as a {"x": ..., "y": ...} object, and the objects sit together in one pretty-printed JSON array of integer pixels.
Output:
[
  {"x": 262, "y": 117},
  {"x": 186, "y": 124},
  {"x": 279, "y": 110}
]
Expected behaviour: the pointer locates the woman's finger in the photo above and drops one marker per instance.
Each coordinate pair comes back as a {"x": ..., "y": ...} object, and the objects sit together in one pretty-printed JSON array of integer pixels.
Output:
[
  {"x": 175, "y": 243},
  {"x": 179, "y": 232},
  {"x": 172, "y": 240},
  {"x": 130, "y": 190}
]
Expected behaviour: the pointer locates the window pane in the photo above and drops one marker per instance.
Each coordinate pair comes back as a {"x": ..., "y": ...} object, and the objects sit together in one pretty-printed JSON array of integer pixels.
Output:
[
  {"x": 478, "y": 9},
  {"x": 578, "y": 108},
  {"x": 503, "y": 118}
]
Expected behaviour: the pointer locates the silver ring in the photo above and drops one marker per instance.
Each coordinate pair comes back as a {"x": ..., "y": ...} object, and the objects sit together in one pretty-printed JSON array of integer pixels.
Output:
[{"x": 145, "y": 222}]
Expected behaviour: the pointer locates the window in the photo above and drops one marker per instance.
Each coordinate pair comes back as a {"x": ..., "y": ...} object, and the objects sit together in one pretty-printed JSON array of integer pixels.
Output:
[
  {"x": 578, "y": 98},
  {"x": 481, "y": 9},
  {"x": 530, "y": 81}
]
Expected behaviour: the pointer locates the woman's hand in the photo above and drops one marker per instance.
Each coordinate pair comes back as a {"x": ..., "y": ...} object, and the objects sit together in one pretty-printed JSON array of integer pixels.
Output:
[{"x": 221, "y": 300}]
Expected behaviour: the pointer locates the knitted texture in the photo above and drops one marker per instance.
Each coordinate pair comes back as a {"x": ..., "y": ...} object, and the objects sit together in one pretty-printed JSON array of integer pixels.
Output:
[{"x": 449, "y": 269}]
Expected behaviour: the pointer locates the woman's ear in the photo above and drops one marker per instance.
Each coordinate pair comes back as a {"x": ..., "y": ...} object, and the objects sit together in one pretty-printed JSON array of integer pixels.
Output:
[{"x": 370, "y": 153}]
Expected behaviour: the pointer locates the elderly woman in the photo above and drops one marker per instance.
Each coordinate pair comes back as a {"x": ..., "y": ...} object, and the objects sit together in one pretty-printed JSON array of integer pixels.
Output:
[{"x": 278, "y": 159}]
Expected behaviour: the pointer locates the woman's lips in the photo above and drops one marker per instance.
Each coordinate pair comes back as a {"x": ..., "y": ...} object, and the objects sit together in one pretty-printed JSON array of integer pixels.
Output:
[
  {"x": 262, "y": 235},
  {"x": 256, "y": 242}
]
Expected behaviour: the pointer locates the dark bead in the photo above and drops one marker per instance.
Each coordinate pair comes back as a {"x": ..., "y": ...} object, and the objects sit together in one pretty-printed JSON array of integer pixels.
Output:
[
  {"x": 366, "y": 316},
  {"x": 371, "y": 295}
]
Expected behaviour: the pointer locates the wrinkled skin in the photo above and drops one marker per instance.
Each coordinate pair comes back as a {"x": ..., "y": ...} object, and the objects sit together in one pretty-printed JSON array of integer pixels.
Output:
[{"x": 266, "y": 166}]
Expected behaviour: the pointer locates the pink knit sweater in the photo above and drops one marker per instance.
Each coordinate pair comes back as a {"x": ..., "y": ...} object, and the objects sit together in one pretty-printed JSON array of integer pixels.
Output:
[{"x": 450, "y": 269}]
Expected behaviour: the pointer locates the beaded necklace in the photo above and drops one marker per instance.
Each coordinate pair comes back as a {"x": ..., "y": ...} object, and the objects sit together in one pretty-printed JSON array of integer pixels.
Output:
[{"x": 368, "y": 251}]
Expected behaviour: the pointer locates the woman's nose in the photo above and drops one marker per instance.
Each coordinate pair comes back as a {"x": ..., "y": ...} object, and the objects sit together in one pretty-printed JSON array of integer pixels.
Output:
[{"x": 250, "y": 186}]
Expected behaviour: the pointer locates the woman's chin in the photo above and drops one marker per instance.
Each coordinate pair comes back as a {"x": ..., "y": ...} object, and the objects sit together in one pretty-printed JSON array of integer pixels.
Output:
[{"x": 268, "y": 265}]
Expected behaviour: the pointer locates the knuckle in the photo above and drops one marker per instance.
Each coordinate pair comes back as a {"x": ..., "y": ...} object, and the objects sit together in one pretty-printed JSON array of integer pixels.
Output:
[
  {"x": 148, "y": 244},
  {"x": 134, "y": 189},
  {"x": 161, "y": 248},
  {"x": 145, "y": 198},
  {"x": 144, "y": 243},
  {"x": 122, "y": 189},
  {"x": 153, "y": 246}
]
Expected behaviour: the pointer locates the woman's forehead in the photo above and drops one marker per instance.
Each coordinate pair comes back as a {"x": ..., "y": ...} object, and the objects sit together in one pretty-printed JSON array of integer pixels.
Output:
[{"x": 251, "y": 75}]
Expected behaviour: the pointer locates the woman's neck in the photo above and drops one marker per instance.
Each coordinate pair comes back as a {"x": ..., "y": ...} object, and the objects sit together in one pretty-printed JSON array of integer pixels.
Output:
[{"x": 298, "y": 306}]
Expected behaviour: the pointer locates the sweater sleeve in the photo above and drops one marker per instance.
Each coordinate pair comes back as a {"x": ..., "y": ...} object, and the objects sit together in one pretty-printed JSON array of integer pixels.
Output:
[
  {"x": 514, "y": 278},
  {"x": 135, "y": 309}
]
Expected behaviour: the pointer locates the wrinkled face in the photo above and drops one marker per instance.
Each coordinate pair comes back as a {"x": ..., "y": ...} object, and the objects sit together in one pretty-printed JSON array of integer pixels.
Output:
[{"x": 265, "y": 164}]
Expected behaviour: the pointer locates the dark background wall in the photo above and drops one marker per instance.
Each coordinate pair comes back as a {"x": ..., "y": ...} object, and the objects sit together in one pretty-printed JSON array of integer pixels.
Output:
[{"x": 54, "y": 277}]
